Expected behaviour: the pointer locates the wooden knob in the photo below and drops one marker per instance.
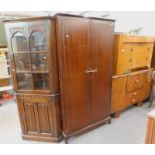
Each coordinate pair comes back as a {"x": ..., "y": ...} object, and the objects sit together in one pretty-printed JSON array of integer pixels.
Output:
[
  {"x": 44, "y": 57},
  {"x": 146, "y": 58},
  {"x": 148, "y": 48},
  {"x": 137, "y": 81},
  {"x": 123, "y": 50},
  {"x": 130, "y": 60},
  {"x": 131, "y": 49},
  {"x": 134, "y": 94}
]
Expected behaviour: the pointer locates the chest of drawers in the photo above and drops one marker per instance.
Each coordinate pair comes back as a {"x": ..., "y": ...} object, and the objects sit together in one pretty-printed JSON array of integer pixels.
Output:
[
  {"x": 131, "y": 52},
  {"x": 130, "y": 89}
]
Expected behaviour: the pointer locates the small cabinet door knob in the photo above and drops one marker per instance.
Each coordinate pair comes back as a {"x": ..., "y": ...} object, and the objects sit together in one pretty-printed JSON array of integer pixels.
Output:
[{"x": 67, "y": 36}]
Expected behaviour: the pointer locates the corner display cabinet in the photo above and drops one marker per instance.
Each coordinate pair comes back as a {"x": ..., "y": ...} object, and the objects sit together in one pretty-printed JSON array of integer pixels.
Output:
[
  {"x": 34, "y": 71},
  {"x": 66, "y": 52}
]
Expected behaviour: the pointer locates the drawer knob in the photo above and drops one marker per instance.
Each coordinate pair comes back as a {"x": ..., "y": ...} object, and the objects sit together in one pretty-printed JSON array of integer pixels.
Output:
[
  {"x": 148, "y": 49},
  {"x": 134, "y": 94},
  {"x": 131, "y": 49},
  {"x": 123, "y": 50},
  {"x": 146, "y": 58},
  {"x": 137, "y": 81},
  {"x": 130, "y": 60}
]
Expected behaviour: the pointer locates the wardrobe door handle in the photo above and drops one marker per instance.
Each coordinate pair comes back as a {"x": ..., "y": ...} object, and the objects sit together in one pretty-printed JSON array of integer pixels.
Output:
[
  {"x": 88, "y": 71},
  {"x": 94, "y": 70}
]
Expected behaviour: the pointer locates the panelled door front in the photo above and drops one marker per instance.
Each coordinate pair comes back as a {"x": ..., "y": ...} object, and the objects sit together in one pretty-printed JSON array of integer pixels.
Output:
[
  {"x": 101, "y": 65},
  {"x": 74, "y": 72}
]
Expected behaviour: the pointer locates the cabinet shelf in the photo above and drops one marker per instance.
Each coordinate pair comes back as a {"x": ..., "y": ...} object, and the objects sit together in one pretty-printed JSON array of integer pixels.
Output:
[
  {"x": 40, "y": 72},
  {"x": 30, "y": 52}
]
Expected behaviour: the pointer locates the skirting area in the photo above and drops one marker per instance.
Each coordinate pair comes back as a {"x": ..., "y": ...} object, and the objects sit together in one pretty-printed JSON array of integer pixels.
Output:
[{"x": 129, "y": 128}]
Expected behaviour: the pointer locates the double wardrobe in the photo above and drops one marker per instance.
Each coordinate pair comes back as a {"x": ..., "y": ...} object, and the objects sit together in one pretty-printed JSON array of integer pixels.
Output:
[{"x": 62, "y": 74}]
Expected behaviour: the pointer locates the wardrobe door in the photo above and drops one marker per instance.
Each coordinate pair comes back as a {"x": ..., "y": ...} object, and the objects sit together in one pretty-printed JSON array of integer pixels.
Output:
[
  {"x": 73, "y": 53},
  {"x": 101, "y": 77}
]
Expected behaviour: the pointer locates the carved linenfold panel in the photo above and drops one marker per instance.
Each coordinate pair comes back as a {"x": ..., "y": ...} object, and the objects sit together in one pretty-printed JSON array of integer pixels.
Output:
[
  {"x": 44, "y": 118},
  {"x": 37, "y": 114},
  {"x": 30, "y": 117}
]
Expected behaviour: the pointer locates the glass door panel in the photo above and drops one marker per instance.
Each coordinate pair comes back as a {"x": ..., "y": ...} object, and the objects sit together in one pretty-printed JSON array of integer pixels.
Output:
[
  {"x": 24, "y": 81},
  {"x": 39, "y": 61},
  {"x": 19, "y": 42},
  {"x": 37, "y": 41},
  {"x": 22, "y": 61},
  {"x": 41, "y": 81}
]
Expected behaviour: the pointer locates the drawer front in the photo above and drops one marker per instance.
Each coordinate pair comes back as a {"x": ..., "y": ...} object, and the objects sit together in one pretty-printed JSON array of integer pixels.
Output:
[
  {"x": 133, "y": 97},
  {"x": 38, "y": 115},
  {"x": 134, "y": 55},
  {"x": 123, "y": 69},
  {"x": 127, "y": 48},
  {"x": 135, "y": 82}
]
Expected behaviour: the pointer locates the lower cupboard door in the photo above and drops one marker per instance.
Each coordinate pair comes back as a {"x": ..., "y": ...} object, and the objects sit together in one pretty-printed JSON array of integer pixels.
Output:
[{"x": 39, "y": 116}]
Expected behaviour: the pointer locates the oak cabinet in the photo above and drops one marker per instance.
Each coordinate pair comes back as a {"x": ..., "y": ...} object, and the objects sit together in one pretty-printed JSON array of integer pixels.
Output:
[
  {"x": 34, "y": 72},
  {"x": 130, "y": 89},
  {"x": 39, "y": 117},
  {"x": 131, "y": 52},
  {"x": 85, "y": 72}
]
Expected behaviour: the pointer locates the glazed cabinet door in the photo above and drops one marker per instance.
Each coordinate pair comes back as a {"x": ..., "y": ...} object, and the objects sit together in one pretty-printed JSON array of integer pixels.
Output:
[
  {"x": 101, "y": 64},
  {"x": 73, "y": 54},
  {"x": 31, "y": 48},
  {"x": 39, "y": 116}
]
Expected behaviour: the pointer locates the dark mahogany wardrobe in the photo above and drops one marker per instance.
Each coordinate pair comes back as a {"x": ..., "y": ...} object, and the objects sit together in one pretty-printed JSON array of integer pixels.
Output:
[
  {"x": 62, "y": 72},
  {"x": 85, "y": 62}
]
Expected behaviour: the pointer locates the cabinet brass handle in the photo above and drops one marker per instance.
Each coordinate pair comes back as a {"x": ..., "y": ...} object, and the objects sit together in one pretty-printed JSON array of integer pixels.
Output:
[
  {"x": 94, "y": 70},
  {"x": 88, "y": 71}
]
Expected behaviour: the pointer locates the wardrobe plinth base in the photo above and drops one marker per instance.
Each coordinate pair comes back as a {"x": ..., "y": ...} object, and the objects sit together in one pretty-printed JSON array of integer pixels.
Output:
[
  {"x": 42, "y": 139},
  {"x": 86, "y": 129}
]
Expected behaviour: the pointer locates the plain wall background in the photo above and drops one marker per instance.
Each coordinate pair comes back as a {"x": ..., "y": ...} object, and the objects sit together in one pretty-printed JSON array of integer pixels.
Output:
[{"x": 125, "y": 20}]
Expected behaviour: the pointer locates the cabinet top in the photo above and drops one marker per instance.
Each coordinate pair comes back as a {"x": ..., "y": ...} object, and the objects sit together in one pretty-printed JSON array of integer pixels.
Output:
[
  {"x": 53, "y": 17},
  {"x": 125, "y": 37}
]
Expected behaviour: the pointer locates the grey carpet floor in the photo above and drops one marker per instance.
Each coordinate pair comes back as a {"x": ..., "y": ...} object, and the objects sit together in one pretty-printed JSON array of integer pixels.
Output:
[{"x": 129, "y": 128}]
